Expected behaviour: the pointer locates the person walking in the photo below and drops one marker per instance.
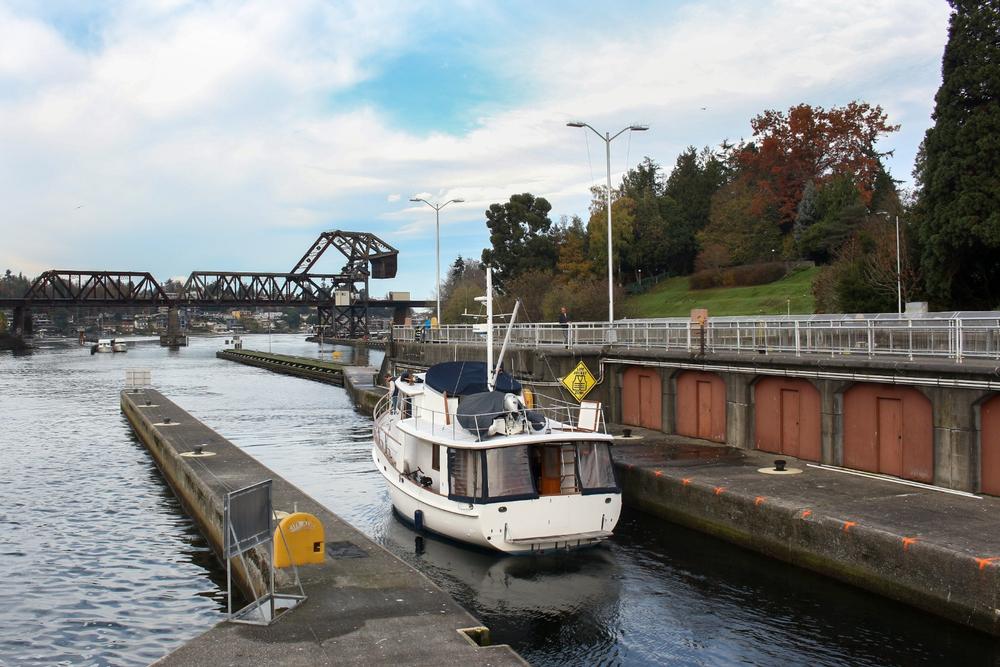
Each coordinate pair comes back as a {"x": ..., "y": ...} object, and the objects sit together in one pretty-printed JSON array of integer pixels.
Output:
[{"x": 564, "y": 322}]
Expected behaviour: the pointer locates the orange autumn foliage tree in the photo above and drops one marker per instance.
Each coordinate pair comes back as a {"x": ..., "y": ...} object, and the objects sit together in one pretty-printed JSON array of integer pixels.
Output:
[{"x": 811, "y": 144}]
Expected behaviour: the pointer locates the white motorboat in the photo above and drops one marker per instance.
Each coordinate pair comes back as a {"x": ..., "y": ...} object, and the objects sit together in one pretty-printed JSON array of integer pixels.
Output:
[
  {"x": 467, "y": 455},
  {"x": 104, "y": 345},
  {"x": 118, "y": 346}
]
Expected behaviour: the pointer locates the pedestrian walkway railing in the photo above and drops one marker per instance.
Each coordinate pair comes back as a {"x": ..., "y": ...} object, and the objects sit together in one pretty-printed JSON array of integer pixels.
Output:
[{"x": 954, "y": 336}]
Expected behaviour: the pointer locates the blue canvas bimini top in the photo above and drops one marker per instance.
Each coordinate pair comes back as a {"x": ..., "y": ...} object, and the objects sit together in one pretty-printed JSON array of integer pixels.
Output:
[{"x": 461, "y": 378}]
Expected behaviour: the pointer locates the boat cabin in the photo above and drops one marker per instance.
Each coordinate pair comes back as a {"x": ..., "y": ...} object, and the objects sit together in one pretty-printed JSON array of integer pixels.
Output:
[{"x": 498, "y": 453}]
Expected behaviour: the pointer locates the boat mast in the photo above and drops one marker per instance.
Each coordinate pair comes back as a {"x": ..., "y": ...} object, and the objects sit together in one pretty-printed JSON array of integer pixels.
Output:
[{"x": 489, "y": 329}]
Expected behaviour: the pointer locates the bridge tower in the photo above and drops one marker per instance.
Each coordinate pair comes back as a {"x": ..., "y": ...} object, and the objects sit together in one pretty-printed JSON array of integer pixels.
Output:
[{"x": 368, "y": 256}]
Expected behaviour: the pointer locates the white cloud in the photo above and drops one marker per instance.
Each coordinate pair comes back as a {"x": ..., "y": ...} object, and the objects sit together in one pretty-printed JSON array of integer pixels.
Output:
[{"x": 195, "y": 121}]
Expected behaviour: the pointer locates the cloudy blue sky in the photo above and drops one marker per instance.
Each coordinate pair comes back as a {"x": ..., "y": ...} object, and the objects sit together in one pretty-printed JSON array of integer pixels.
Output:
[{"x": 172, "y": 136}]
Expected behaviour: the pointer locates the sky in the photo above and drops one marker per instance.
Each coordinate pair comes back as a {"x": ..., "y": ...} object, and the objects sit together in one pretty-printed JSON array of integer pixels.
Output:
[{"x": 172, "y": 136}]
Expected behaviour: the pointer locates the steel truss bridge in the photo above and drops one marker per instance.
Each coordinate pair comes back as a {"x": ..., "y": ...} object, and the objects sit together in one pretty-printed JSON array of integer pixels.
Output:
[{"x": 341, "y": 299}]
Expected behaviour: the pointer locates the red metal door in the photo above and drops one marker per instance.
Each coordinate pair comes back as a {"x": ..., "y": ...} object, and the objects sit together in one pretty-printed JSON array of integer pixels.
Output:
[
  {"x": 630, "y": 397},
  {"x": 890, "y": 436},
  {"x": 790, "y": 422},
  {"x": 650, "y": 401},
  {"x": 889, "y": 429},
  {"x": 989, "y": 446},
  {"x": 704, "y": 409},
  {"x": 642, "y": 398}
]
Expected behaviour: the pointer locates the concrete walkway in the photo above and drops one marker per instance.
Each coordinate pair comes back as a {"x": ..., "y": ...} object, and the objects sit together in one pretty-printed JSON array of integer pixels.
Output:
[
  {"x": 936, "y": 550},
  {"x": 365, "y": 606}
]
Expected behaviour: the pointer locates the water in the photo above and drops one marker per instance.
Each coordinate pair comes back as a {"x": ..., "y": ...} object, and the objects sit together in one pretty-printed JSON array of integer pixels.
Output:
[{"x": 101, "y": 567}]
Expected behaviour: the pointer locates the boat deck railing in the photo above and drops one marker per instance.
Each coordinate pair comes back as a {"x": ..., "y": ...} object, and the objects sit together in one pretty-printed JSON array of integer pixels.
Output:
[{"x": 559, "y": 415}]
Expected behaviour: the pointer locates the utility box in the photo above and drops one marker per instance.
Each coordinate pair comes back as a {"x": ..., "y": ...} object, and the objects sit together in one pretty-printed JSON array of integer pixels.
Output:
[
  {"x": 341, "y": 298},
  {"x": 399, "y": 296}
]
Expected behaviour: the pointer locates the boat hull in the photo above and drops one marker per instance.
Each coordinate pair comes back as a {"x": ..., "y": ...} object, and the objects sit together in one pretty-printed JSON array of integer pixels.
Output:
[{"x": 536, "y": 525}]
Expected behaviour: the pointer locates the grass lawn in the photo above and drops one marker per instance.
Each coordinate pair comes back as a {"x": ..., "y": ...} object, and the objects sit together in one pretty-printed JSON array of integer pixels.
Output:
[{"x": 675, "y": 298}]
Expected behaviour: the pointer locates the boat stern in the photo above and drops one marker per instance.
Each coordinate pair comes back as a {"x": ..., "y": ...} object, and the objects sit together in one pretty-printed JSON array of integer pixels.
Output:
[{"x": 550, "y": 523}]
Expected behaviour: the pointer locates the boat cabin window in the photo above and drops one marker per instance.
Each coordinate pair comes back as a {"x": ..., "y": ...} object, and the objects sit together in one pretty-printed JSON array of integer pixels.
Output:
[
  {"x": 465, "y": 480},
  {"x": 521, "y": 472},
  {"x": 594, "y": 466},
  {"x": 508, "y": 474}
]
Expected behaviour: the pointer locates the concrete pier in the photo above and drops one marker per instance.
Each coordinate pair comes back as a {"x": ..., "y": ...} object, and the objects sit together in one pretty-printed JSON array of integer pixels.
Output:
[
  {"x": 937, "y": 551},
  {"x": 304, "y": 367},
  {"x": 365, "y": 606}
]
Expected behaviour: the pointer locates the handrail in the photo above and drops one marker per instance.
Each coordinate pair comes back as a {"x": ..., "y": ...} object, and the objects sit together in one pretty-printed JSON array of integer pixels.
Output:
[
  {"x": 937, "y": 336},
  {"x": 560, "y": 415}
]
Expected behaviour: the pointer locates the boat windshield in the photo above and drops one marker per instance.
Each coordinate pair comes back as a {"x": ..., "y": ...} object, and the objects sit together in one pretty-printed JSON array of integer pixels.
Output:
[
  {"x": 508, "y": 474},
  {"x": 594, "y": 466},
  {"x": 527, "y": 471}
]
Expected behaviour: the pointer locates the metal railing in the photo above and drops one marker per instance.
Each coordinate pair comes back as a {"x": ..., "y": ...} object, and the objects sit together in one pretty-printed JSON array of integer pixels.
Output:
[
  {"x": 954, "y": 336},
  {"x": 560, "y": 416}
]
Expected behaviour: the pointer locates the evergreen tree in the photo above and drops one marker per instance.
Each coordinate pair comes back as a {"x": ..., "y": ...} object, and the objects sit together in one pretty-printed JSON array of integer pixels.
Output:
[
  {"x": 519, "y": 234},
  {"x": 958, "y": 170},
  {"x": 685, "y": 205},
  {"x": 808, "y": 212}
]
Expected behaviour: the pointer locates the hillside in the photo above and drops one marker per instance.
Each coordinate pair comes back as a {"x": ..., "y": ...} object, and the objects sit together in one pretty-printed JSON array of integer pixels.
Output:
[{"x": 674, "y": 298}]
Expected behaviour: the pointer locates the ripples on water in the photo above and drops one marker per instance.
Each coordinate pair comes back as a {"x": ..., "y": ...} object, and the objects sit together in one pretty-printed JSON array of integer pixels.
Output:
[{"x": 101, "y": 567}]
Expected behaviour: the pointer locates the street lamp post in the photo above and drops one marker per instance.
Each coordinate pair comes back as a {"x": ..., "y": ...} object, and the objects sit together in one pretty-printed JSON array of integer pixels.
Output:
[
  {"x": 607, "y": 138},
  {"x": 437, "y": 233},
  {"x": 899, "y": 271}
]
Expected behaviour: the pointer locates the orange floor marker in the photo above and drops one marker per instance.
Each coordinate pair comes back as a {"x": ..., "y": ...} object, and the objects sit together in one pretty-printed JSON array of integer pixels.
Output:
[
  {"x": 686, "y": 481},
  {"x": 983, "y": 562},
  {"x": 848, "y": 525},
  {"x": 719, "y": 490},
  {"x": 907, "y": 541},
  {"x": 759, "y": 500}
]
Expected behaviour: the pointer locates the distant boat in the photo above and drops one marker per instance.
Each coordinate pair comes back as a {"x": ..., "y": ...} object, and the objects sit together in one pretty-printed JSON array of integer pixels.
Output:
[
  {"x": 103, "y": 345},
  {"x": 118, "y": 346}
]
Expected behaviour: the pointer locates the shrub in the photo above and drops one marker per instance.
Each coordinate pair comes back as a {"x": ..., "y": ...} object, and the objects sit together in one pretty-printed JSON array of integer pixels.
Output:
[{"x": 739, "y": 276}]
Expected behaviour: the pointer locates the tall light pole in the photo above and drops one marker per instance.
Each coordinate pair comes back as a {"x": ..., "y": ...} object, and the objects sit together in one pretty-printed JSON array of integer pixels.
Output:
[
  {"x": 437, "y": 233},
  {"x": 899, "y": 271},
  {"x": 607, "y": 138}
]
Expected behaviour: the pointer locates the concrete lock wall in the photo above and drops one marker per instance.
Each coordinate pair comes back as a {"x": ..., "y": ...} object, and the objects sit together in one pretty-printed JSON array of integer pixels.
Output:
[
  {"x": 787, "y": 417},
  {"x": 701, "y": 405},
  {"x": 944, "y": 435},
  {"x": 889, "y": 429}
]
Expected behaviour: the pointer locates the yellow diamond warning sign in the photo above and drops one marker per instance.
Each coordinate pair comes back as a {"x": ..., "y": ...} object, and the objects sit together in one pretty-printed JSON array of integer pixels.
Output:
[{"x": 580, "y": 381}]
